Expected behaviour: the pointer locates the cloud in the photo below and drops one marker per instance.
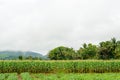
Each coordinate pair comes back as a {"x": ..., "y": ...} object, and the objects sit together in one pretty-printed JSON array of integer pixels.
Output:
[{"x": 41, "y": 25}]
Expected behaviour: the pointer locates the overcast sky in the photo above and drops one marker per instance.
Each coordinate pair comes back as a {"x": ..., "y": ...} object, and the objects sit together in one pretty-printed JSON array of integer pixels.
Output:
[{"x": 41, "y": 25}]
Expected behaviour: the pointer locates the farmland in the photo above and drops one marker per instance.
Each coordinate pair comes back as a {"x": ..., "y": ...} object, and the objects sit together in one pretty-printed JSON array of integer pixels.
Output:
[
  {"x": 70, "y": 66},
  {"x": 60, "y": 70},
  {"x": 60, "y": 76}
]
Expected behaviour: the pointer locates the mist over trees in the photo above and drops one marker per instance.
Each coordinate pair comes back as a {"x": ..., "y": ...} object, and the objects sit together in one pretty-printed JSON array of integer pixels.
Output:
[{"x": 105, "y": 50}]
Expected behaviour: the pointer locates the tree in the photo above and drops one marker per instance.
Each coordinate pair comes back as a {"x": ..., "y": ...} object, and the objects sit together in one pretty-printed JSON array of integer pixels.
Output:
[
  {"x": 87, "y": 51},
  {"x": 117, "y": 50},
  {"x": 62, "y": 53},
  {"x": 29, "y": 57},
  {"x": 107, "y": 49},
  {"x": 20, "y": 57}
]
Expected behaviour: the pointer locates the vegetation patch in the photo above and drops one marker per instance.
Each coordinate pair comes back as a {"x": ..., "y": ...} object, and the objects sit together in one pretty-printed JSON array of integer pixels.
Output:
[{"x": 75, "y": 66}]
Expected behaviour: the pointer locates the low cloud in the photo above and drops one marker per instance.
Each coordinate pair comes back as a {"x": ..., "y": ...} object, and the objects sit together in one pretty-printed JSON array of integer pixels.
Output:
[{"x": 41, "y": 25}]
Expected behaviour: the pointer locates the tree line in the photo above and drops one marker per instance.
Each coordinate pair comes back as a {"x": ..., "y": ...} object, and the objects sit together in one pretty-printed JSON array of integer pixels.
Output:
[
  {"x": 21, "y": 57},
  {"x": 104, "y": 50}
]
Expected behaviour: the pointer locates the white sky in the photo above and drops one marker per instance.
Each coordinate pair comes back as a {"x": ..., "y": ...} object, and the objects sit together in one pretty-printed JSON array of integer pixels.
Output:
[{"x": 41, "y": 25}]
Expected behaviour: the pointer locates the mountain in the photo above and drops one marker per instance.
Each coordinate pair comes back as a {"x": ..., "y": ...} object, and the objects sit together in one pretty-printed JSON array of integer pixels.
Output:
[{"x": 7, "y": 55}]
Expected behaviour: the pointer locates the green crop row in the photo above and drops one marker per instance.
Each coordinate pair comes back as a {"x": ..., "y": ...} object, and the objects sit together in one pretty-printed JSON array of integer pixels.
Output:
[
  {"x": 8, "y": 76},
  {"x": 25, "y": 76},
  {"x": 76, "y": 76},
  {"x": 87, "y": 66},
  {"x": 14, "y": 76},
  {"x": 60, "y": 76}
]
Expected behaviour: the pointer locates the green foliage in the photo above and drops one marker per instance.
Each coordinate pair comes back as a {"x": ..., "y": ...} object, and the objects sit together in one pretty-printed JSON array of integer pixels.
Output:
[
  {"x": 60, "y": 76},
  {"x": 67, "y": 66},
  {"x": 105, "y": 50},
  {"x": 75, "y": 76},
  {"x": 26, "y": 76},
  {"x": 12, "y": 77},
  {"x": 20, "y": 57},
  {"x": 2, "y": 76},
  {"x": 108, "y": 49},
  {"x": 29, "y": 57},
  {"x": 8, "y": 76},
  {"x": 62, "y": 53},
  {"x": 88, "y": 51}
]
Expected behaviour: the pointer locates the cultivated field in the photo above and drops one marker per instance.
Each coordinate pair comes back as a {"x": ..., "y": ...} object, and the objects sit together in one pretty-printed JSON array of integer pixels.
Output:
[
  {"x": 84, "y": 66},
  {"x": 60, "y": 70},
  {"x": 60, "y": 76}
]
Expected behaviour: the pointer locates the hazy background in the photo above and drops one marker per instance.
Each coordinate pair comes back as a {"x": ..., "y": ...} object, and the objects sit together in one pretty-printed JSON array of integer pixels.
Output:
[{"x": 41, "y": 25}]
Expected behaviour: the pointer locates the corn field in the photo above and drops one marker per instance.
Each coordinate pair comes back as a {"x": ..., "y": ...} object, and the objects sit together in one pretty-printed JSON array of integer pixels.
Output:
[{"x": 80, "y": 66}]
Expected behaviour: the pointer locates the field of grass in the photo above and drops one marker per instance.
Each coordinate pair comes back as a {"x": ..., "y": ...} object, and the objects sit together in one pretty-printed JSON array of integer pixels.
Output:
[{"x": 60, "y": 76}]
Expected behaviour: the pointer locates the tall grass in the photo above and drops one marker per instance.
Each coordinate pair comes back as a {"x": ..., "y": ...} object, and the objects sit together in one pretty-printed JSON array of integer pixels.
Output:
[{"x": 84, "y": 66}]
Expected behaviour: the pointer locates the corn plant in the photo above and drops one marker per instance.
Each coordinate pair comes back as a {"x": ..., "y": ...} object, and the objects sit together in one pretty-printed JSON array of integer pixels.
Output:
[
  {"x": 77, "y": 66},
  {"x": 12, "y": 76},
  {"x": 26, "y": 76}
]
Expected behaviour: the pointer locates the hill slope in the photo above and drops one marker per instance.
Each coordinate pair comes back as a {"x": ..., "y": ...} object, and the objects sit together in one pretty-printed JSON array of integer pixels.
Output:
[{"x": 15, "y": 54}]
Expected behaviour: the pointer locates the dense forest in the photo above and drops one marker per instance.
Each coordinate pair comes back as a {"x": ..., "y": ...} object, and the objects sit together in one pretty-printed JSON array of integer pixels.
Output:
[{"x": 105, "y": 50}]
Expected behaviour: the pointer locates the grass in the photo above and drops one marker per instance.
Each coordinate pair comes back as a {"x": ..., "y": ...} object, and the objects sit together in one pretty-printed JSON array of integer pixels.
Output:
[
  {"x": 8, "y": 76},
  {"x": 61, "y": 76},
  {"x": 76, "y": 76}
]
